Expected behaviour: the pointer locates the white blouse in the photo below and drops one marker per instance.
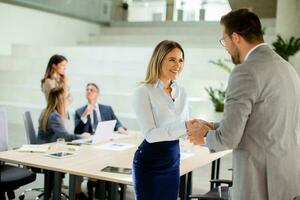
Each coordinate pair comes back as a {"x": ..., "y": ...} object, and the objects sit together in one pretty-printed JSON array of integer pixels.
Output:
[{"x": 161, "y": 117}]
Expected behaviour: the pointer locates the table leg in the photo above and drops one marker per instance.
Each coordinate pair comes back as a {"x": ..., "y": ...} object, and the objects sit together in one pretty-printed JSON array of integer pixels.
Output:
[
  {"x": 213, "y": 169},
  {"x": 189, "y": 183},
  {"x": 123, "y": 192},
  {"x": 183, "y": 187},
  {"x": 47, "y": 184},
  {"x": 113, "y": 191},
  {"x": 218, "y": 168},
  {"x": 72, "y": 184},
  {"x": 57, "y": 186}
]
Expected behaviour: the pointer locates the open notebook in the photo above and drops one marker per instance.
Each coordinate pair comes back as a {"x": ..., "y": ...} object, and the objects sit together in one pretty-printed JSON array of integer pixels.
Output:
[{"x": 34, "y": 148}]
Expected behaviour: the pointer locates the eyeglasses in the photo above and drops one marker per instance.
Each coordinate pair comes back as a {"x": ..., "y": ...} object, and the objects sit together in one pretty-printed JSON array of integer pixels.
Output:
[
  {"x": 92, "y": 90},
  {"x": 222, "y": 40}
]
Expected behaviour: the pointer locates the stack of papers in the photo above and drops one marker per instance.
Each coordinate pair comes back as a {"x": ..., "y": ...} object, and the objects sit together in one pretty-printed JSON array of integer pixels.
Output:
[
  {"x": 34, "y": 148},
  {"x": 119, "y": 136},
  {"x": 114, "y": 146}
]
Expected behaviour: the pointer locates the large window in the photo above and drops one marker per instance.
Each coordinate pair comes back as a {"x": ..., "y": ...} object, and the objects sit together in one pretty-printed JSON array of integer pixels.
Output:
[
  {"x": 183, "y": 10},
  {"x": 147, "y": 10},
  {"x": 195, "y": 10}
]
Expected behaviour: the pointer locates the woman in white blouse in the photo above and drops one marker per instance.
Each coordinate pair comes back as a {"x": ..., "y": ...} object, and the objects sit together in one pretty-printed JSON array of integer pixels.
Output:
[{"x": 161, "y": 109}]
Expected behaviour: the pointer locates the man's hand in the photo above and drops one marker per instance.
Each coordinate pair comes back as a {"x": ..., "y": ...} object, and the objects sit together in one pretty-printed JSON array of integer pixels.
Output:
[
  {"x": 121, "y": 130},
  {"x": 86, "y": 135},
  {"x": 89, "y": 109},
  {"x": 197, "y": 130}
]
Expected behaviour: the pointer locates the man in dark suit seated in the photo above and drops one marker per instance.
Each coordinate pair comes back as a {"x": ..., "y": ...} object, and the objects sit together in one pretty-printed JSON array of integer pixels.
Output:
[
  {"x": 86, "y": 120},
  {"x": 88, "y": 116}
]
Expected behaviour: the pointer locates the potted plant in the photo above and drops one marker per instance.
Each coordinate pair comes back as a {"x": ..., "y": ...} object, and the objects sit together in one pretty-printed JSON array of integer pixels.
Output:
[
  {"x": 217, "y": 95},
  {"x": 286, "y": 48}
]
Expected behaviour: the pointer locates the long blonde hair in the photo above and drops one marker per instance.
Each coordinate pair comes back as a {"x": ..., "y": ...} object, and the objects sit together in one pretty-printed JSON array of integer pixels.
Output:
[
  {"x": 57, "y": 101},
  {"x": 158, "y": 55}
]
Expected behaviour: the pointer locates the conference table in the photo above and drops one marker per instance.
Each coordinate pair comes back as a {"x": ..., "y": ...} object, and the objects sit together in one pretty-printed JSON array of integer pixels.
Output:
[{"x": 89, "y": 160}]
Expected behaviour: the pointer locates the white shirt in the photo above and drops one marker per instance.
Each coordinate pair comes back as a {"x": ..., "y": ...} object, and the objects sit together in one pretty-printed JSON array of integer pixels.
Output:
[
  {"x": 160, "y": 118},
  {"x": 251, "y": 50},
  {"x": 96, "y": 108}
]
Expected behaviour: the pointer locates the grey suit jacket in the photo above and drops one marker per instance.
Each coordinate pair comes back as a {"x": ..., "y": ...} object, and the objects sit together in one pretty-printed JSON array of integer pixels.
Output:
[
  {"x": 261, "y": 124},
  {"x": 55, "y": 129}
]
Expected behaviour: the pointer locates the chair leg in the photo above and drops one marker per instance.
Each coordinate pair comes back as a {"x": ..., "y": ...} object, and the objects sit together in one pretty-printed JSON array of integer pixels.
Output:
[
  {"x": 39, "y": 196},
  {"x": 11, "y": 194},
  {"x": 2, "y": 194},
  {"x": 90, "y": 189},
  {"x": 62, "y": 194},
  {"x": 22, "y": 195}
]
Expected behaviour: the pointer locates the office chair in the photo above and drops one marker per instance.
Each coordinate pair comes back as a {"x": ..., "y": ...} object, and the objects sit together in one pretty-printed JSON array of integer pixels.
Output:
[
  {"x": 32, "y": 139},
  {"x": 296, "y": 198},
  {"x": 11, "y": 177},
  {"x": 217, "y": 190}
]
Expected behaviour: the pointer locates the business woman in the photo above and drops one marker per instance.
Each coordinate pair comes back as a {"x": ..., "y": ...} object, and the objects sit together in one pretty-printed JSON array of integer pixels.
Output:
[
  {"x": 161, "y": 109},
  {"x": 52, "y": 119},
  {"x": 52, "y": 126},
  {"x": 55, "y": 75}
]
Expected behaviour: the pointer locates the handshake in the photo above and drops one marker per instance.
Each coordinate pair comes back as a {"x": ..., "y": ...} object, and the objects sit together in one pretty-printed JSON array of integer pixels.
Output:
[{"x": 197, "y": 130}]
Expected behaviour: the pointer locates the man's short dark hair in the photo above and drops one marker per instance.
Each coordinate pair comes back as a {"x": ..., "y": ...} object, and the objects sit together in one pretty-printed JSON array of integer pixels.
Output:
[
  {"x": 243, "y": 22},
  {"x": 93, "y": 84}
]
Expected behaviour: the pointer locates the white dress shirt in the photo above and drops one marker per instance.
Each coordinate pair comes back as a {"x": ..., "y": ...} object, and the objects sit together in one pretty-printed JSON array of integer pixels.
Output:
[
  {"x": 161, "y": 117},
  {"x": 96, "y": 108}
]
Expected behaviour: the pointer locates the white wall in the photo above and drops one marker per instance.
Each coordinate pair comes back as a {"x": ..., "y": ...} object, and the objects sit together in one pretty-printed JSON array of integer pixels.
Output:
[{"x": 21, "y": 25}]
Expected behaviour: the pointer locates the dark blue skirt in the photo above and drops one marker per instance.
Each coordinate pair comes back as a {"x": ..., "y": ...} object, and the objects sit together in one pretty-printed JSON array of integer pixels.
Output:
[{"x": 156, "y": 171}]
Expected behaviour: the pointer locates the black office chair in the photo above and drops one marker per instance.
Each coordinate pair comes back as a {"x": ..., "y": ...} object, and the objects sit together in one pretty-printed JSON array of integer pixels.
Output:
[
  {"x": 11, "y": 177},
  {"x": 32, "y": 139},
  {"x": 219, "y": 188},
  {"x": 218, "y": 192}
]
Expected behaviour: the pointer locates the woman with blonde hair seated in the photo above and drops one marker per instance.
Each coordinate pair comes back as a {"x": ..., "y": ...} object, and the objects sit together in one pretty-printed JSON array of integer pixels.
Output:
[
  {"x": 52, "y": 125},
  {"x": 52, "y": 119}
]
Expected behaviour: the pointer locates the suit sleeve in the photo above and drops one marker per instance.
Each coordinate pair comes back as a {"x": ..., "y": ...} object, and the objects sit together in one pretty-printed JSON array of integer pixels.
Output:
[
  {"x": 79, "y": 125},
  {"x": 114, "y": 117},
  {"x": 55, "y": 123},
  {"x": 241, "y": 95}
]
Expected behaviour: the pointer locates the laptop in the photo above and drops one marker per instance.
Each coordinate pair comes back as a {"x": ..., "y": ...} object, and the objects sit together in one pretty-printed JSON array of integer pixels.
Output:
[{"x": 103, "y": 133}]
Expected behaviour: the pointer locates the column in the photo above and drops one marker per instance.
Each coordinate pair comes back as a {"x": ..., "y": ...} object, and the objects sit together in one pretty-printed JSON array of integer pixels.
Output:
[{"x": 170, "y": 10}]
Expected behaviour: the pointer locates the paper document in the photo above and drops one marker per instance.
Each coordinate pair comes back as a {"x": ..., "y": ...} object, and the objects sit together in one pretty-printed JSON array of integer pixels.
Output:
[
  {"x": 34, "y": 148},
  {"x": 116, "y": 146},
  {"x": 119, "y": 136}
]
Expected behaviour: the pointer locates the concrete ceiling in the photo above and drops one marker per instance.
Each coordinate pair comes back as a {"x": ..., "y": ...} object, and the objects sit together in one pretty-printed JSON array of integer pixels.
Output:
[{"x": 263, "y": 8}]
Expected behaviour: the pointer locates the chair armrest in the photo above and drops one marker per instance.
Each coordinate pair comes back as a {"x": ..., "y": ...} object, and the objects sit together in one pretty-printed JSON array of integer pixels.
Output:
[
  {"x": 204, "y": 197},
  {"x": 218, "y": 182}
]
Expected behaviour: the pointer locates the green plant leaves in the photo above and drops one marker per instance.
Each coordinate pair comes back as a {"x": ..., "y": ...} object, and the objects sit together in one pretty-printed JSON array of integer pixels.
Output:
[
  {"x": 286, "y": 48},
  {"x": 217, "y": 96}
]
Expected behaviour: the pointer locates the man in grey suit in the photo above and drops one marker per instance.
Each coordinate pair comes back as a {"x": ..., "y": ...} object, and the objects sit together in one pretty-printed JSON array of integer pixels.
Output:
[{"x": 261, "y": 117}]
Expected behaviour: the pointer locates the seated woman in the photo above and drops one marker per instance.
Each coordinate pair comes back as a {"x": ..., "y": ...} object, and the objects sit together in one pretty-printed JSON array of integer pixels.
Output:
[
  {"x": 51, "y": 123},
  {"x": 52, "y": 127}
]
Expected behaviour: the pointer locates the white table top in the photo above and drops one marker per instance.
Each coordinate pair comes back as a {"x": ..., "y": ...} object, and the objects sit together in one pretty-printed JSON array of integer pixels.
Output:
[{"x": 90, "y": 159}]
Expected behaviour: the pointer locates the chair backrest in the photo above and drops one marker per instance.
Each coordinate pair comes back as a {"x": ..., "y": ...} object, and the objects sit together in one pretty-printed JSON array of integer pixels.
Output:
[
  {"x": 29, "y": 127},
  {"x": 3, "y": 130}
]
